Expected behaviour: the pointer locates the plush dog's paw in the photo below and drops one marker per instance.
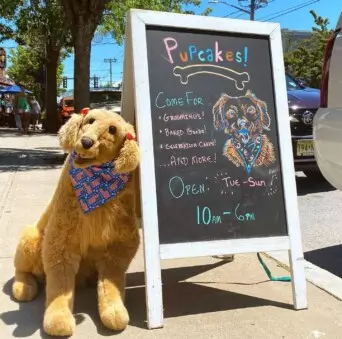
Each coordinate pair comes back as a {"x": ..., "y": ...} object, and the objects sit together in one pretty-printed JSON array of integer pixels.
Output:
[
  {"x": 59, "y": 323},
  {"x": 115, "y": 317},
  {"x": 26, "y": 288}
]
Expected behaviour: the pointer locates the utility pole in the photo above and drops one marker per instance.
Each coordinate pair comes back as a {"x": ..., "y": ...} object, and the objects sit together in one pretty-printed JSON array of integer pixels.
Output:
[
  {"x": 95, "y": 80},
  {"x": 252, "y": 12},
  {"x": 253, "y": 6},
  {"x": 110, "y": 61}
]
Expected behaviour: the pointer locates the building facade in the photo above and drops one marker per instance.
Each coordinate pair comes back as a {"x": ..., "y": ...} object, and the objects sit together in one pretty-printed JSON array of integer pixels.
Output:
[{"x": 292, "y": 38}]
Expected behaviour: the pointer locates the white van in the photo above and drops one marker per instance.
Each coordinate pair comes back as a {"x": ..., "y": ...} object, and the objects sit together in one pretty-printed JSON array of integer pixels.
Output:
[{"x": 327, "y": 124}]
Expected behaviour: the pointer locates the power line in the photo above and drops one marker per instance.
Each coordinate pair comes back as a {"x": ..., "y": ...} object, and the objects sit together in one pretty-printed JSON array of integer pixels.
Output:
[
  {"x": 288, "y": 10},
  {"x": 103, "y": 70},
  {"x": 104, "y": 43},
  {"x": 93, "y": 44},
  {"x": 239, "y": 16},
  {"x": 253, "y": 6},
  {"x": 232, "y": 13},
  {"x": 294, "y": 10}
]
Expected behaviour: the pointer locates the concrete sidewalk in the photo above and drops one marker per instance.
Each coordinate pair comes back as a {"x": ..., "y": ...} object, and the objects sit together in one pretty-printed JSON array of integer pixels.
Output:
[{"x": 203, "y": 297}]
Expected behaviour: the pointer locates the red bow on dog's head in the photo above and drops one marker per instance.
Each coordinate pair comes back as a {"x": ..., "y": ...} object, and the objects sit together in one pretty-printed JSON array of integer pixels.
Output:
[
  {"x": 84, "y": 112},
  {"x": 130, "y": 136}
]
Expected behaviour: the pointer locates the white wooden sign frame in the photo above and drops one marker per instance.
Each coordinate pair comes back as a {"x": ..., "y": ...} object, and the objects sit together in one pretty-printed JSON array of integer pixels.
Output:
[{"x": 136, "y": 108}]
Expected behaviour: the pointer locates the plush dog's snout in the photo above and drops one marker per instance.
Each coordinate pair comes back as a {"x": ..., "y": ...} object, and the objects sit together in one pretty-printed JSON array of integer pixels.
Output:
[
  {"x": 241, "y": 122},
  {"x": 87, "y": 142}
]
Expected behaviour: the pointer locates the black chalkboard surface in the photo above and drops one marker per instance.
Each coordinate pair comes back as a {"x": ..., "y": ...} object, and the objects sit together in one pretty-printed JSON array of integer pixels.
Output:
[{"x": 217, "y": 163}]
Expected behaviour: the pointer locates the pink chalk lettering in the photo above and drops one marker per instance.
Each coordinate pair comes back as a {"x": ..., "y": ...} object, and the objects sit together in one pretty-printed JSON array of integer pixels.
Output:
[
  {"x": 217, "y": 53},
  {"x": 170, "y": 48}
]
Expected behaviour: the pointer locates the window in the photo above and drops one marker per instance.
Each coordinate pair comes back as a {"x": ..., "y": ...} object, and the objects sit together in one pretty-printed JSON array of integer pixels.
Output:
[
  {"x": 69, "y": 103},
  {"x": 292, "y": 84},
  {"x": 105, "y": 97}
]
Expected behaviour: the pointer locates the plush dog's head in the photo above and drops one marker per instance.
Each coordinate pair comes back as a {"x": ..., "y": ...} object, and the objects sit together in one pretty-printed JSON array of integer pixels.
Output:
[
  {"x": 98, "y": 137},
  {"x": 241, "y": 117}
]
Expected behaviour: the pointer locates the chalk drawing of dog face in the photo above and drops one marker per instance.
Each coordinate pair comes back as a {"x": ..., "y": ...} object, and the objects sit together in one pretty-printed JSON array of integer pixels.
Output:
[{"x": 245, "y": 120}]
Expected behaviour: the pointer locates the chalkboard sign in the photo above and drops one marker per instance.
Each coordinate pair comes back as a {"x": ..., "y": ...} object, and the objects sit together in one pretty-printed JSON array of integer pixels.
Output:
[
  {"x": 209, "y": 102},
  {"x": 215, "y": 137}
]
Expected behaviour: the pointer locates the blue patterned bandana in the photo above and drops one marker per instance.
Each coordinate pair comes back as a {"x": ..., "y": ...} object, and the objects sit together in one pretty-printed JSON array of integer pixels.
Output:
[
  {"x": 248, "y": 151},
  {"x": 95, "y": 185}
]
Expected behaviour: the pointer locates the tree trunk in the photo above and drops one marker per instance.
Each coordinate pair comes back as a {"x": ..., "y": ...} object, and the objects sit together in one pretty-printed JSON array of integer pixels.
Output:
[
  {"x": 43, "y": 90},
  {"x": 52, "y": 119},
  {"x": 83, "y": 18},
  {"x": 82, "y": 46}
]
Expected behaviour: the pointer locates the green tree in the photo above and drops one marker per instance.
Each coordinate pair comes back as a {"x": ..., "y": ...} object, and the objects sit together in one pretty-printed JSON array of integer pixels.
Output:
[
  {"x": 289, "y": 42},
  {"x": 5, "y": 32},
  {"x": 306, "y": 60},
  {"x": 82, "y": 18},
  {"x": 108, "y": 16},
  {"x": 106, "y": 85},
  {"x": 40, "y": 25},
  {"x": 114, "y": 19},
  {"x": 7, "y": 10},
  {"x": 27, "y": 69}
]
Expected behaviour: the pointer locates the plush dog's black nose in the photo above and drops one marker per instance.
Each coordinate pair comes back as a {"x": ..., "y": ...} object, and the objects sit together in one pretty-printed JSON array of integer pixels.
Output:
[{"x": 87, "y": 142}]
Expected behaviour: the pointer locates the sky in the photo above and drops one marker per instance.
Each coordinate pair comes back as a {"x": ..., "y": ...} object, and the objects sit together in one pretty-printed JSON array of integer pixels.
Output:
[{"x": 282, "y": 11}]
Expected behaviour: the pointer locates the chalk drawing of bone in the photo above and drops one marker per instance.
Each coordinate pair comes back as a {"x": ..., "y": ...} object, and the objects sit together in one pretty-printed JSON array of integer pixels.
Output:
[{"x": 184, "y": 73}]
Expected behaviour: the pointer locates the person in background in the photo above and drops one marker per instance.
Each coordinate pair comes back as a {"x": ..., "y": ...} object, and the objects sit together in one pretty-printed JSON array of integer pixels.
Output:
[
  {"x": 35, "y": 112},
  {"x": 23, "y": 109},
  {"x": 2, "y": 111},
  {"x": 17, "y": 115},
  {"x": 2, "y": 103}
]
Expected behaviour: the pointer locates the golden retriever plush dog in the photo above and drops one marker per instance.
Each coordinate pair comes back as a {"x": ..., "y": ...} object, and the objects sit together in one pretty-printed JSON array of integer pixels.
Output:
[{"x": 89, "y": 227}]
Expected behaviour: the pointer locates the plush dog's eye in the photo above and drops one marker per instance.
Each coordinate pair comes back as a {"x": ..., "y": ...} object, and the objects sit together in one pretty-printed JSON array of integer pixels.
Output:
[
  {"x": 91, "y": 120},
  {"x": 112, "y": 129},
  {"x": 251, "y": 110},
  {"x": 231, "y": 114}
]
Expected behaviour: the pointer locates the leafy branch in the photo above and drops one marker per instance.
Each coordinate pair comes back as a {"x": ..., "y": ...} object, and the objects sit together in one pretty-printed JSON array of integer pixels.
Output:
[{"x": 306, "y": 60}]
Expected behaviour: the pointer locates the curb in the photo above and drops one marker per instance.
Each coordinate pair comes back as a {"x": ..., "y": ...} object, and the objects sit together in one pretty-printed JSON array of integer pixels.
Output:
[{"x": 319, "y": 277}]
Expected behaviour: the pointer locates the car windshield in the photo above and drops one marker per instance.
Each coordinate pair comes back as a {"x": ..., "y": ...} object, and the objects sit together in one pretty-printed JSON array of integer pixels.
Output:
[
  {"x": 291, "y": 84},
  {"x": 105, "y": 97},
  {"x": 69, "y": 103}
]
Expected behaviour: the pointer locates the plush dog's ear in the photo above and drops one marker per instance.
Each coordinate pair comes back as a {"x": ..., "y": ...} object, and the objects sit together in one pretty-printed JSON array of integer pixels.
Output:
[
  {"x": 218, "y": 112},
  {"x": 129, "y": 156},
  {"x": 68, "y": 132},
  {"x": 265, "y": 118}
]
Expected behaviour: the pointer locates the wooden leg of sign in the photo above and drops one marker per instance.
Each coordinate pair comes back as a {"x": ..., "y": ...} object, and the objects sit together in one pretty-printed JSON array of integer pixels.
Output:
[
  {"x": 153, "y": 282},
  {"x": 132, "y": 91},
  {"x": 298, "y": 277},
  {"x": 154, "y": 296}
]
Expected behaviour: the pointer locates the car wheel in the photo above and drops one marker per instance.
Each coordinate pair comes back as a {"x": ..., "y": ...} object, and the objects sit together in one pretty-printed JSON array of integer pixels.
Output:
[{"x": 314, "y": 175}]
